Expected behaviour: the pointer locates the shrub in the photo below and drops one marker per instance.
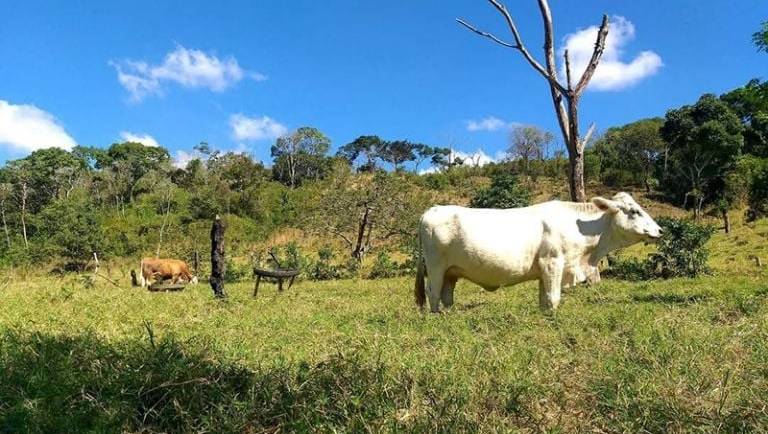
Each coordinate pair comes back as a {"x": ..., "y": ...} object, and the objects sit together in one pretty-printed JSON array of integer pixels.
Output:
[
  {"x": 234, "y": 272},
  {"x": 504, "y": 192},
  {"x": 323, "y": 268},
  {"x": 627, "y": 269},
  {"x": 384, "y": 267},
  {"x": 681, "y": 253},
  {"x": 293, "y": 258}
]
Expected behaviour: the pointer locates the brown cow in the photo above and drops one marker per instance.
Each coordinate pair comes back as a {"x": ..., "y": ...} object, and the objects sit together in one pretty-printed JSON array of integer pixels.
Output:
[{"x": 162, "y": 269}]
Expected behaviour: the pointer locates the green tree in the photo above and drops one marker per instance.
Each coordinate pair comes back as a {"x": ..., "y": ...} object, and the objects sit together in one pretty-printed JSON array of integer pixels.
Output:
[
  {"x": 504, "y": 192},
  {"x": 370, "y": 148},
  {"x": 758, "y": 194},
  {"x": 69, "y": 228},
  {"x": 300, "y": 155},
  {"x": 628, "y": 154},
  {"x": 398, "y": 152},
  {"x": 445, "y": 158},
  {"x": 705, "y": 139},
  {"x": 750, "y": 103},
  {"x": 760, "y": 38},
  {"x": 363, "y": 212},
  {"x": 128, "y": 162},
  {"x": 527, "y": 143}
]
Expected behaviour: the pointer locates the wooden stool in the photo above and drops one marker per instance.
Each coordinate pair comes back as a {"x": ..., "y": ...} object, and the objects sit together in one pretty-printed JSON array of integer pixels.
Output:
[{"x": 280, "y": 275}]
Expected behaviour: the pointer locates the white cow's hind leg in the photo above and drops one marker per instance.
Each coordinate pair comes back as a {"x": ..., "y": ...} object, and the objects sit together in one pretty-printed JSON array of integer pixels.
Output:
[
  {"x": 449, "y": 283},
  {"x": 550, "y": 282},
  {"x": 435, "y": 278}
]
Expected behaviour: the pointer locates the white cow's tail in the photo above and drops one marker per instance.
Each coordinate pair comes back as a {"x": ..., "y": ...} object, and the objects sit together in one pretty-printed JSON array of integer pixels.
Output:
[
  {"x": 418, "y": 290},
  {"x": 421, "y": 271}
]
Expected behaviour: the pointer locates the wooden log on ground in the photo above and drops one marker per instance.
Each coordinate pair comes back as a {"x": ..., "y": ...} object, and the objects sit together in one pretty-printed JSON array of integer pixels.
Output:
[
  {"x": 159, "y": 286},
  {"x": 217, "y": 258}
]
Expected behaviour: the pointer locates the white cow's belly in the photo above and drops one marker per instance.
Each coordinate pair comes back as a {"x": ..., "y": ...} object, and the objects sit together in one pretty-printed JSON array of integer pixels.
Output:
[{"x": 493, "y": 260}]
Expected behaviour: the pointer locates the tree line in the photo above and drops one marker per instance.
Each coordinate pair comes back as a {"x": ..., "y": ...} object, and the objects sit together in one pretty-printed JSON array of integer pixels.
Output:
[{"x": 129, "y": 199}]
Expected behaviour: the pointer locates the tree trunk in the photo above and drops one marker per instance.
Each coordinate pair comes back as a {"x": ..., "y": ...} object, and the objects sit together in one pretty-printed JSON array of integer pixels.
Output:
[
  {"x": 359, "y": 249},
  {"x": 292, "y": 170},
  {"x": 23, "y": 213},
  {"x": 726, "y": 221},
  {"x": 162, "y": 228},
  {"x": 5, "y": 228},
  {"x": 217, "y": 258},
  {"x": 576, "y": 177}
]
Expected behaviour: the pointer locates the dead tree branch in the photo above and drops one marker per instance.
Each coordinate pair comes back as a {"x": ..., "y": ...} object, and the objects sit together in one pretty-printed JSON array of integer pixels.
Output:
[{"x": 602, "y": 34}]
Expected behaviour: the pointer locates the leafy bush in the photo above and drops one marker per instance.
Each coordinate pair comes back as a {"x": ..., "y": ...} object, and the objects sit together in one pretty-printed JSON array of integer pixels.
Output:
[
  {"x": 384, "y": 267},
  {"x": 236, "y": 273},
  {"x": 504, "y": 192},
  {"x": 294, "y": 259},
  {"x": 627, "y": 269},
  {"x": 323, "y": 268},
  {"x": 681, "y": 253}
]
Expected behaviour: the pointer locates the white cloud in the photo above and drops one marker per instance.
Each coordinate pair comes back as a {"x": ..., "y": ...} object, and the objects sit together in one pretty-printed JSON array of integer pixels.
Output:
[
  {"x": 145, "y": 139},
  {"x": 255, "y": 128},
  {"x": 471, "y": 159},
  {"x": 26, "y": 127},
  {"x": 490, "y": 123},
  {"x": 612, "y": 73},
  {"x": 475, "y": 159},
  {"x": 188, "y": 67}
]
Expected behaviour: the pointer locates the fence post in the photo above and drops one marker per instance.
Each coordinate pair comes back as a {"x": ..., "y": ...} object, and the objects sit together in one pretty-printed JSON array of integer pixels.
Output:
[{"x": 217, "y": 258}]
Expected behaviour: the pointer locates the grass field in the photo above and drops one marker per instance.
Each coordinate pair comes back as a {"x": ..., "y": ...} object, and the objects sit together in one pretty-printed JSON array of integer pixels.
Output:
[
  {"x": 83, "y": 355},
  {"x": 352, "y": 356}
]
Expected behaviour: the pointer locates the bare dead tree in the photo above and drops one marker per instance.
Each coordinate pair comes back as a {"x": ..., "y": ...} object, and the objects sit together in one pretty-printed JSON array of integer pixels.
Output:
[{"x": 565, "y": 97}]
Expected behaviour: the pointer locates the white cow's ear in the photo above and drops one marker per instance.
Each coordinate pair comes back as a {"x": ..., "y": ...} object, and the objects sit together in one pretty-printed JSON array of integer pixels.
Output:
[{"x": 605, "y": 205}]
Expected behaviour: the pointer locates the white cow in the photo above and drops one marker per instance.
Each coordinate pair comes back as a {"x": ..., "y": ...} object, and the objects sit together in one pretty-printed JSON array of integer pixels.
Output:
[{"x": 558, "y": 243}]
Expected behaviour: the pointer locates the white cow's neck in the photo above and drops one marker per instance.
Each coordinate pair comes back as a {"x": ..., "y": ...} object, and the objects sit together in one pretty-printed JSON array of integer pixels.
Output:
[{"x": 598, "y": 246}]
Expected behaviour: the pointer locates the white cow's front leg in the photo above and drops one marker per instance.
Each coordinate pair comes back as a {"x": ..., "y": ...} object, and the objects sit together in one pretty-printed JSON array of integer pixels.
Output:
[
  {"x": 449, "y": 283},
  {"x": 550, "y": 282}
]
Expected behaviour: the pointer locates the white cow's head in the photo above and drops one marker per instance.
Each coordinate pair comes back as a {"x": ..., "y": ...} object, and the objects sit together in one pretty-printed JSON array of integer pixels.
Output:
[{"x": 631, "y": 221}]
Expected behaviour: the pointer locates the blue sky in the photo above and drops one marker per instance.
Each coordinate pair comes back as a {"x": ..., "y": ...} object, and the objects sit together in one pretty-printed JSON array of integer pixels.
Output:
[{"x": 237, "y": 73}]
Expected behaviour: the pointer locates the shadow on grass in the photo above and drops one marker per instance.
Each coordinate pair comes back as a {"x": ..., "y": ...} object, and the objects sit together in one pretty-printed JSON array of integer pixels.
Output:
[
  {"x": 670, "y": 298},
  {"x": 84, "y": 384}
]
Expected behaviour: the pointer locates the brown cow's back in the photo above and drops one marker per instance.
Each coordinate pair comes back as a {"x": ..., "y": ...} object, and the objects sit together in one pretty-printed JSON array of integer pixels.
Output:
[{"x": 165, "y": 269}]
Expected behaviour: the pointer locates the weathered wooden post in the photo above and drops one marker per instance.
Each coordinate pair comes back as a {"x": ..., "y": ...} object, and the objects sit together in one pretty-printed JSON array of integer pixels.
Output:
[{"x": 217, "y": 258}]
